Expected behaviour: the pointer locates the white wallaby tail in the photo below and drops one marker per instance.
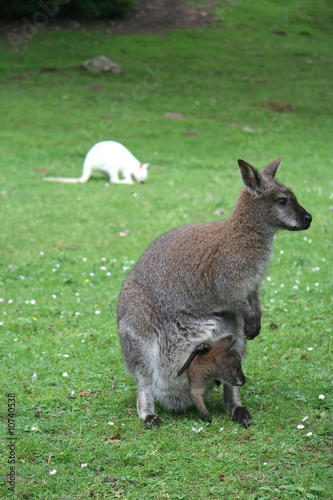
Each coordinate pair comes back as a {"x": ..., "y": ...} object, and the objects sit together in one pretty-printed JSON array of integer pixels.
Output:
[{"x": 70, "y": 180}]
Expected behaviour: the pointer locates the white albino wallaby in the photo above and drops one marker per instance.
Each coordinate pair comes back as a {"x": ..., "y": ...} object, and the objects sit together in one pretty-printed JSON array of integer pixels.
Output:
[
  {"x": 113, "y": 159},
  {"x": 199, "y": 283},
  {"x": 208, "y": 365}
]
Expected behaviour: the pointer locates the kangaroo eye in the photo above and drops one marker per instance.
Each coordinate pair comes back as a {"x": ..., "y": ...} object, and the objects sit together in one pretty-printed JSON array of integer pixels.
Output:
[
  {"x": 238, "y": 369},
  {"x": 282, "y": 201}
]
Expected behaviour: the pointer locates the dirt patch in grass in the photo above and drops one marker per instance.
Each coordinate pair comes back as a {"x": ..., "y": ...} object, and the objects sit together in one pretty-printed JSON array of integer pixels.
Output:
[{"x": 155, "y": 16}]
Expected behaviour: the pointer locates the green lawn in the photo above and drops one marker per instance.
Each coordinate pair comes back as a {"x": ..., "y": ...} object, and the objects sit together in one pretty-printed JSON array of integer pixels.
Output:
[{"x": 63, "y": 260}]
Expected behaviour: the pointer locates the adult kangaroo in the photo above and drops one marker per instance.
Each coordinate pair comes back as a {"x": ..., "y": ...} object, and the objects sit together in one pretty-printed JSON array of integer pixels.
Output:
[{"x": 197, "y": 284}]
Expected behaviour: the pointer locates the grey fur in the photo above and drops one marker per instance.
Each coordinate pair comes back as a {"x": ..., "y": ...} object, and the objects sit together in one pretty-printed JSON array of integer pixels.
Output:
[{"x": 199, "y": 283}]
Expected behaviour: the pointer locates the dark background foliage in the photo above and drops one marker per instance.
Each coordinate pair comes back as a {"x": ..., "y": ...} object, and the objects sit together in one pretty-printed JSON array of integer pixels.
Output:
[{"x": 74, "y": 9}]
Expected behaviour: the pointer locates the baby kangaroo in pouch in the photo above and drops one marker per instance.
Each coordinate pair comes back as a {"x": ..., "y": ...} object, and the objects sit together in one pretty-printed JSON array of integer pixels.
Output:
[
  {"x": 197, "y": 284},
  {"x": 209, "y": 364}
]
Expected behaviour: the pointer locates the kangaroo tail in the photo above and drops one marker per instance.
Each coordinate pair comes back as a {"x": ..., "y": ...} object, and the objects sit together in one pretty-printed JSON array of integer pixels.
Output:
[{"x": 69, "y": 180}]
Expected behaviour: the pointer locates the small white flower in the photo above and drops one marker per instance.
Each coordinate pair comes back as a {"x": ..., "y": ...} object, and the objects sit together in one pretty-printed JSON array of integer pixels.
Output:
[
  {"x": 321, "y": 396},
  {"x": 32, "y": 301},
  {"x": 54, "y": 296},
  {"x": 103, "y": 268},
  {"x": 271, "y": 300},
  {"x": 1, "y": 323},
  {"x": 52, "y": 472},
  {"x": 33, "y": 428},
  {"x": 297, "y": 281},
  {"x": 221, "y": 429},
  {"x": 111, "y": 423},
  {"x": 92, "y": 274},
  {"x": 10, "y": 301},
  {"x": 77, "y": 313},
  {"x": 305, "y": 418},
  {"x": 21, "y": 277},
  {"x": 82, "y": 341},
  {"x": 34, "y": 376},
  {"x": 84, "y": 465},
  {"x": 65, "y": 374},
  {"x": 309, "y": 240},
  {"x": 316, "y": 284},
  {"x": 309, "y": 434},
  {"x": 268, "y": 278},
  {"x": 65, "y": 355},
  {"x": 41, "y": 253},
  {"x": 84, "y": 259},
  {"x": 300, "y": 426},
  {"x": 54, "y": 270},
  {"x": 1, "y": 299},
  {"x": 310, "y": 348},
  {"x": 264, "y": 463},
  {"x": 108, "y": 273},
  {"x": 281, "y": 252},
  {"x": 282, "y": 285},
  {"x": 295, "y": 287},
  {"x": 307, "y": 288},
  {"x": 57, "y": 265},
  {"x": 97, "y": 312}
]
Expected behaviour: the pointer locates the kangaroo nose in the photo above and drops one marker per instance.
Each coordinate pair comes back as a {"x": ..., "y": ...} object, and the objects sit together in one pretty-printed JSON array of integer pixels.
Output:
[{"x": 308, "y": 217}]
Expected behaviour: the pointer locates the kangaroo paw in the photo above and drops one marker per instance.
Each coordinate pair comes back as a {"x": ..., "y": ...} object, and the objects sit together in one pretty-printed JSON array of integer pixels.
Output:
[
  {"x": 251, "y": 330},
  {"x": 206, "y": 418},
  {"x": 151, "y": 422},
  {"x": 242, "y": 416}
]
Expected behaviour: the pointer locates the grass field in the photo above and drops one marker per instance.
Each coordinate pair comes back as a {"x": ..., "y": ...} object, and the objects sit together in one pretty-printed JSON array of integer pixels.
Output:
[{"x": 66, "y": 249}]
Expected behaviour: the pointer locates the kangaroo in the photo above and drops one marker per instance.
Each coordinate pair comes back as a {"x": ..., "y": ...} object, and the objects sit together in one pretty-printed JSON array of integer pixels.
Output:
[
  {"x": 199, "y": 283},
  {"x": 112, "y": 158},
  {"x": 209, "y": 364}
]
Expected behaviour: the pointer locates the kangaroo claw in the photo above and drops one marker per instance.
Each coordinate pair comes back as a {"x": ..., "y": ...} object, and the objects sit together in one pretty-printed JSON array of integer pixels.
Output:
[
  {"x": 151, "y": 422},
  {"x": 242, "y": 416}
]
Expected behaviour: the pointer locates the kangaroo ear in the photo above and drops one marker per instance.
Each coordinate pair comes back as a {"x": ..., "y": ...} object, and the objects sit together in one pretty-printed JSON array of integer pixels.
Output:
[
  {"x": 271, "y": 168},
  {"x": 251, "y": 177},
  {"x": 231, "y": 346},
  {"x": 200, "y": 348},
  {"x": 146, "y": 165},
  {"x": 204, "y": 347}
]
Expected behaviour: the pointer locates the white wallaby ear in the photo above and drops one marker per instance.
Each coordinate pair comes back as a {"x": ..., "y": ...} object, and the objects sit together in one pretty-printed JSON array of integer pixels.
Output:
[
  {"x": 272, "y": 167},
  {"x": 251, "y": 177}
]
